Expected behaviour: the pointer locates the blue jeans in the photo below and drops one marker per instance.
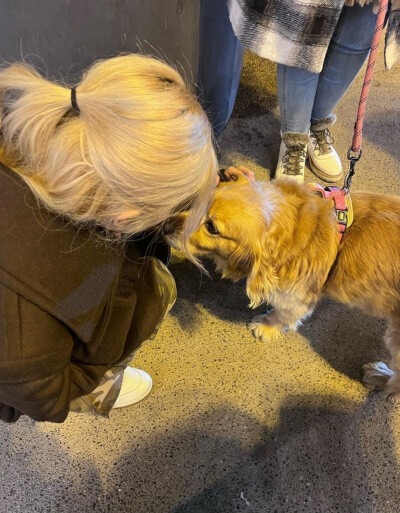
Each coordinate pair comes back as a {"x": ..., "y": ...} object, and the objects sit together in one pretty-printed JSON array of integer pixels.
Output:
[{"x": 305, "y": 96}]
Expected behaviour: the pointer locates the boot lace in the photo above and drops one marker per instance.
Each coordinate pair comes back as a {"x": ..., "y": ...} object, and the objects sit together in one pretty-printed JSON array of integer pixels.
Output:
[
  {"x": 294, "y": 159},
  {"x": 323, "y": 141}
]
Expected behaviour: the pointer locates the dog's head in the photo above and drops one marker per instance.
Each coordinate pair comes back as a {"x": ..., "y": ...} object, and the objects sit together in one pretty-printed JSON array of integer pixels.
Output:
[{"x": 236, "y": 235}]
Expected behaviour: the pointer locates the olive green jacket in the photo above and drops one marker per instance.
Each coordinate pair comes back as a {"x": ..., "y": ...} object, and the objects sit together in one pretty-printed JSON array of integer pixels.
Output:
[{"x": 71, "y": 306}]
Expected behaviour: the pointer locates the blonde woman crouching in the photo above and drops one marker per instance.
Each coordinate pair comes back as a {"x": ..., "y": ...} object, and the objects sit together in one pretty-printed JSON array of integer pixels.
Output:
[{"x": 115, "y": 156}]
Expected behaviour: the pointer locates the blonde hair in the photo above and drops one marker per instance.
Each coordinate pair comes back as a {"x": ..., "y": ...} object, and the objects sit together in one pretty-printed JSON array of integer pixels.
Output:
[{"x": 140, "y": 142}]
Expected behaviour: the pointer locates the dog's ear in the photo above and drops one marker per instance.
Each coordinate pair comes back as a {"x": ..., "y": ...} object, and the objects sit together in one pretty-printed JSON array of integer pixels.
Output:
[
  {"x": 262, "y": 279},
  {"x": 240, "y": 264}
]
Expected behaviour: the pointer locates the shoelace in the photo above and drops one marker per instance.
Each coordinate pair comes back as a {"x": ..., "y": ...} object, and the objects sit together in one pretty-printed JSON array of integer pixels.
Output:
[
  {"x": 323, "y": 141},
  {"x": 293, "y": 160}
]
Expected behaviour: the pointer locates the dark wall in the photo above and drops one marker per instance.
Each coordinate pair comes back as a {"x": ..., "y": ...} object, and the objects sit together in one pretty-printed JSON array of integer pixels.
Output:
[
  {"x": 62, "y": 37},
  {"x": 68, "y": 35}
]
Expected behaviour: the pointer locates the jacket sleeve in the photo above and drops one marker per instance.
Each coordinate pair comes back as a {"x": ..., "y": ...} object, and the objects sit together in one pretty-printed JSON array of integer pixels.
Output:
[{"x": 37, "y": 376}]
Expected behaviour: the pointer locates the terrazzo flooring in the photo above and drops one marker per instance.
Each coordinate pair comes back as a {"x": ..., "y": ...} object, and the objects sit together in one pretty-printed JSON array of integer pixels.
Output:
[{"x": 234, "y": 424}]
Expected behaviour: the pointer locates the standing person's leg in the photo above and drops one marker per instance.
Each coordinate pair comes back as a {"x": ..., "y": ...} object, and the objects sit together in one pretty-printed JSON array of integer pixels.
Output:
[
  {"x": 347, "y": 52},
  {"x": 296, "y": 94}
]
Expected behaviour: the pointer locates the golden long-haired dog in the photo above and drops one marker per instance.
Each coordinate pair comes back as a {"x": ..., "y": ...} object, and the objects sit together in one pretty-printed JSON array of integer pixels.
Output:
[{"x": 283, "y": 238}]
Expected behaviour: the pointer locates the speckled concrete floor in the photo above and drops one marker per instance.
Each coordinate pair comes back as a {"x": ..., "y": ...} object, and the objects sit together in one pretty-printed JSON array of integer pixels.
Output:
[{"x": 234, "y": 424}]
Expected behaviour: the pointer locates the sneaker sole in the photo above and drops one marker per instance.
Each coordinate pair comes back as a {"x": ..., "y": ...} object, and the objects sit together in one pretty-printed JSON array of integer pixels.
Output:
[
  {"x": 124, "y": 404},
  {"x": 128, "y": 400},
  {"x": 320, "y": 174}
]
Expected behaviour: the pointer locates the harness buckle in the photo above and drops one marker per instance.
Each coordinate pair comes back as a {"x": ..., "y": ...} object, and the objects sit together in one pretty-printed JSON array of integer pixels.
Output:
[
  {"x": 342, "y": 216},
  {"x": 341, "y": 203}
]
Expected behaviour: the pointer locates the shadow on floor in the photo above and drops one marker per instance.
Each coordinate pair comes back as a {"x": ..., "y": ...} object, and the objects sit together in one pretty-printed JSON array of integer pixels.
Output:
[
  {"x": 345, "y": 337},
  {"x": 382, "y": 131},
  {"x": 316, "y": 459},
  {"x": 196, "y": 290},
  {"x": 40, "y": 476}
]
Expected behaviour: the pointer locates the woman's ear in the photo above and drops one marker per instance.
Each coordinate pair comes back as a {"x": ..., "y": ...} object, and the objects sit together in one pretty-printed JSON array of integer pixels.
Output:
[
  {"x": 121, "y": 219},
  {"x": 262, "y": 280}
]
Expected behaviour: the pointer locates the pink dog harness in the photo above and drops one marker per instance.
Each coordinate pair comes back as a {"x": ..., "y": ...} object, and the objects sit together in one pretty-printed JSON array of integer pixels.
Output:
[{"x": 341, "y": 202}]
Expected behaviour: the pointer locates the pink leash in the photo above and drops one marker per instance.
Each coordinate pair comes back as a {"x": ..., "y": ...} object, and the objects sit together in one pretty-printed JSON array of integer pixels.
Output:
[{"x": 358, "y": 128}]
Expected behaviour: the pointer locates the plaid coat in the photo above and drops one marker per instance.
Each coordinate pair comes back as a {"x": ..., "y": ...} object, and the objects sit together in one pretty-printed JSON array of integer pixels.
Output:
[{"x": 298, "y": 33}]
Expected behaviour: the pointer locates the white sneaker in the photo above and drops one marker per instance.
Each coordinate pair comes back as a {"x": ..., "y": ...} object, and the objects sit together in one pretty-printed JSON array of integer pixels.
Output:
[
  {"x": 136, "y": 385},
  {"x": 292, "y": 157},
  {"x": 324, "y": 161}
]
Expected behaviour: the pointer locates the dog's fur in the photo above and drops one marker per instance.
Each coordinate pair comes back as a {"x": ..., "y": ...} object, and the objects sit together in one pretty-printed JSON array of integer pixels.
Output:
[{"x": 283, "y": 239}]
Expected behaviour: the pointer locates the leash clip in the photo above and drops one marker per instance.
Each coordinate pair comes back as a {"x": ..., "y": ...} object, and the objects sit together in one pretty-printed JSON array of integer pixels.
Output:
[{"x": 353, "y": 161}]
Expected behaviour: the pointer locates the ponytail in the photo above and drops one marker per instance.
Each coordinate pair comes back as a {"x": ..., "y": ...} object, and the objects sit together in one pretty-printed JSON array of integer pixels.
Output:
[{"x": 138, "y": 140}]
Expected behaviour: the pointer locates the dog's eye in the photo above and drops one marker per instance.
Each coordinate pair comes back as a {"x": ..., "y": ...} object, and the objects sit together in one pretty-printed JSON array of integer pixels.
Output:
[{"x": 211, "y": 228}]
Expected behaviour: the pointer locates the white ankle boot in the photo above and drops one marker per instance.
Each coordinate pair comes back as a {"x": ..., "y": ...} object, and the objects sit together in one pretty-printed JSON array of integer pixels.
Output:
[
  {"x": 292, "y": 156},
  {"x": 324, "y": 161},
  {"x": 136, "y": 385}
]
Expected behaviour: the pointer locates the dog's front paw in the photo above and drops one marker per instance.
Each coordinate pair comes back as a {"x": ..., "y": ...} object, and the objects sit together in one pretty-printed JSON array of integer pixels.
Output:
[
  {"x": 376, "y": 375},
  {"x": 263, "y": 330}
]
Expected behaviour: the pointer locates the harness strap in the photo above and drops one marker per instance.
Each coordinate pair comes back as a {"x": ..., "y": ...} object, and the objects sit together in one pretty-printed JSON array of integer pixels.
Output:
[{"x": 341, "y": 202}]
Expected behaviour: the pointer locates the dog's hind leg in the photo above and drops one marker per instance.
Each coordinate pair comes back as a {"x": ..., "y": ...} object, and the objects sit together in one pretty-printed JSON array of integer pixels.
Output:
[
  {"x": 376, "y": 375},
  {"x": 381, "y": 377}
]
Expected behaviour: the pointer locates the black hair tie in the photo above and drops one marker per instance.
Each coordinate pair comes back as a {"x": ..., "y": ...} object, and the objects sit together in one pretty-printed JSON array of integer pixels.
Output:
[{"x": 74, "y": 103}]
